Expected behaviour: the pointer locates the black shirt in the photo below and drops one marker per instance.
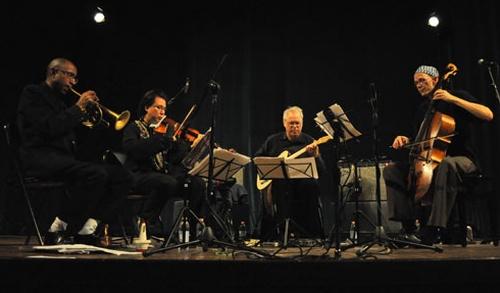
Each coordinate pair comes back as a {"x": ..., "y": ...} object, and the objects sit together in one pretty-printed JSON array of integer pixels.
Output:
[
  {"x": 275, "y": 144},
  {"x": 462, "y": 143},
  {"x": 141, "y": 151}
]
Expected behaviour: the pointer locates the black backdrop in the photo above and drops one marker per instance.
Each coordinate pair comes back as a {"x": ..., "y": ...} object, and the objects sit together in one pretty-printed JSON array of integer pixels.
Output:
[{"x": 279, "y": 54}]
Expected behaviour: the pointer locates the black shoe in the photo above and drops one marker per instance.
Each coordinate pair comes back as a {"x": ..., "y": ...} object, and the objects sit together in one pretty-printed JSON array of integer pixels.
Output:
[
  {"x": 412, "y": 237},
  {"x": 430, "y": 235},
  {"x": 56, "y": 238},
  {"x": 454, "y": 235},
  {"x": 90, "y": 239}
]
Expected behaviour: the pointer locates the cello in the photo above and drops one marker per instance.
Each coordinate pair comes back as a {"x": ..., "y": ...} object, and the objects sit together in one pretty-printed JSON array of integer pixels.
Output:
[{"x": 431, "y": 145}]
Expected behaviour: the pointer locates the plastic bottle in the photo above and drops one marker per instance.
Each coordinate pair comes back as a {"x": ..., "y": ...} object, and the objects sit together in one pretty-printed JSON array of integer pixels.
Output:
[
  {"x": 184, "y": 231},
  {"x": 200, "y": 225},
  {"x": 242, "y": 231},
  {"x": 353, "y": 235}
]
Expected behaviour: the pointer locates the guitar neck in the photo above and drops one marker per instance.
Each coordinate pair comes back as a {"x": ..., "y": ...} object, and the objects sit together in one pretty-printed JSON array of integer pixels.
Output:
[
  {"x": 298, "y": 153},
  {"x": 304, "y": 149}
]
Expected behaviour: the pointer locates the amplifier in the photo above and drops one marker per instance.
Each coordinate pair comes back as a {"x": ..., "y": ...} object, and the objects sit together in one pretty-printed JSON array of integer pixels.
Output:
[
  {"x": 366, "y": 178},
  {"x": 367, "y": 217}
]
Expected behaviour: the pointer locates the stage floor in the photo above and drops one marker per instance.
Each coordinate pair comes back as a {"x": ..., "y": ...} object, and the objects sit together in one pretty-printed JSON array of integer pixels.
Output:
[
  {"x": 13, "y": 247},
  {"x": 473, "y": 267}
]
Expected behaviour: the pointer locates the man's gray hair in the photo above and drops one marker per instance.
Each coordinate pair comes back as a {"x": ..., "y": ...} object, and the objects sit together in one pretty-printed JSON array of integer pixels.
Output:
[{"x": 293, "y": 109}]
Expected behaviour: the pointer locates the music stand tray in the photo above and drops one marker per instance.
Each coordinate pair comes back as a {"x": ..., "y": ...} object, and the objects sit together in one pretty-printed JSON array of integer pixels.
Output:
[
  {"x": 226, "y": 164},
  {"x": 282, "y": 168}
]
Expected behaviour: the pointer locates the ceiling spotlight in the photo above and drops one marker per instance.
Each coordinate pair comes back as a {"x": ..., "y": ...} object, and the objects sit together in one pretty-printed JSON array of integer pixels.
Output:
[
  {"x": 99, "y": 16},
  {"x": 433, "y": 20}
]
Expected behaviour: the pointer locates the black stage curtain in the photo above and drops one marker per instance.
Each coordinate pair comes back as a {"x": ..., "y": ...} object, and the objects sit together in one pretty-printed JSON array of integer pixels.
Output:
[{"x": 277, "y": 55}]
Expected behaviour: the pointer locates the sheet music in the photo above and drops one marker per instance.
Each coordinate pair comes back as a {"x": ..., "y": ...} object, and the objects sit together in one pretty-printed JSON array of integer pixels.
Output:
[
  {"x": 226, "y": 164},
  {"x": 270, "y": 168},
  {"x": 349, "y": 131},
  {"x": 198, "y": 152}
]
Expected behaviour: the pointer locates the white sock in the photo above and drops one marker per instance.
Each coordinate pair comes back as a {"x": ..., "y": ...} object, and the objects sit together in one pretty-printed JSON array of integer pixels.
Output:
[
  {"x": 89, "y": 227},
  {"x": 58, "y": 225}
]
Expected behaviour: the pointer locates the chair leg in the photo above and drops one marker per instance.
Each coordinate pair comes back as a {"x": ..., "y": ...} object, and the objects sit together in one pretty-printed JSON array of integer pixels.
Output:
[
  {"x": 32, "y": 215},
  {"x": 462, "y": 220}
]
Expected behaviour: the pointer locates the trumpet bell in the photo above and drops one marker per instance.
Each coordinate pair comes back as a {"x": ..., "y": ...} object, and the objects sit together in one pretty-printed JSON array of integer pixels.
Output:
[
  {"x": 122, "y": 120},
  {"x": 94, "y": 115}
]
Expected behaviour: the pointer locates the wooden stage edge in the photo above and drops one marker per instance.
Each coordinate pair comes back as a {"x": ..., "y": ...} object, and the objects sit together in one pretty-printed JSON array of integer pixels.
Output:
[{"x": 475, "y": 267}]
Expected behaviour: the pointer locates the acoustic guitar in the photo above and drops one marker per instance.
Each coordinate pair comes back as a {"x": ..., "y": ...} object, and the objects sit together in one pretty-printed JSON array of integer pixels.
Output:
[{"x": 263, "y": 183}]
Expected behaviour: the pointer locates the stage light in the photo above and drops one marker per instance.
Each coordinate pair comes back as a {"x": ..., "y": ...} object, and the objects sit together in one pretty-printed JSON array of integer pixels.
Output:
[
  {"x": 433, "y": 20},
  {"x": 99, "y": 16}
]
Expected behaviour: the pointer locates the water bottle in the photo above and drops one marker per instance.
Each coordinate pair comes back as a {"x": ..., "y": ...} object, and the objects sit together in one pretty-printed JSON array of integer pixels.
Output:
[
  {"x": 353, "y": 235},
  {"x": 184, "y": 231},
  {"x": 242, "y": 231},
  {"x": 469, "y": 234},
  {"x": 200, "y": 225}
]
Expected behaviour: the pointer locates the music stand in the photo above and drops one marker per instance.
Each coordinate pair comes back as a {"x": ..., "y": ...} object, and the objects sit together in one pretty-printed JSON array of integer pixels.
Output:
[
  {"x": 334, "y": 122},
  {"x": 226, "y": 164},
  {"x": 288, "y": 169}
]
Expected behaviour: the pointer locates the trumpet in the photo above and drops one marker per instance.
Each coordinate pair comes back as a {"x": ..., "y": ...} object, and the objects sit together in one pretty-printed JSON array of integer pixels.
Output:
[{"x": 94, "y": 115}]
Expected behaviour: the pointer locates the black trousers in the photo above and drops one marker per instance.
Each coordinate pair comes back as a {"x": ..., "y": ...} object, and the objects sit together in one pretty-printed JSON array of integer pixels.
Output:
[
  {"x": 161, "y": 186},
  {"x": 442, "y": 195},
  {"x": 95, "y": 190},
  {"x": 298, "y": 200}
]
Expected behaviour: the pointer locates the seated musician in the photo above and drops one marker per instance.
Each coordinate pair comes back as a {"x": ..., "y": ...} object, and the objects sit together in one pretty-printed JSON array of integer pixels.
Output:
[
  {"x": 297, "y": 199},
  {"x": 460, "y": 158},
  {"x": 154, "y": 159},
  {"x": 47, "y": 119}
]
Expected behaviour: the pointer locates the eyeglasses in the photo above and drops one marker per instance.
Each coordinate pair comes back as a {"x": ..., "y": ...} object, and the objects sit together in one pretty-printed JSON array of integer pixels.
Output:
[
  {"x": 69, "y": 74},
  {"x": 160, "y": 107}
]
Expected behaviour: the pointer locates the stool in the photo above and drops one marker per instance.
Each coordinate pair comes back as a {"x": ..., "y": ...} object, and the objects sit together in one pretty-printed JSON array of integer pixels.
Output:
[{"x": 475, "y": 186}]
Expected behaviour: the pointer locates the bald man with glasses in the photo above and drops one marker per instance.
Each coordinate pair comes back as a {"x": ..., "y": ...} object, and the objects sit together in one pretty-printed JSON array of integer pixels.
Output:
[{"x": 47, "y": 118}]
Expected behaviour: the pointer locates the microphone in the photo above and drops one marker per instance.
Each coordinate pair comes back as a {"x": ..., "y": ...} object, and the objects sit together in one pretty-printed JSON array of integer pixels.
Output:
[
  {"x": 486, "y": 62},
  {"x": 183, "y": 90},
  {"x": 186, "y": 85}
]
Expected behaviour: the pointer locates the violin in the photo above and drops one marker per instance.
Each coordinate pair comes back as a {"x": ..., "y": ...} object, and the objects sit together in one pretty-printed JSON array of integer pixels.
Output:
[
  {"x": 432, "y": 140},
  {"x": 187, "y": 133}
]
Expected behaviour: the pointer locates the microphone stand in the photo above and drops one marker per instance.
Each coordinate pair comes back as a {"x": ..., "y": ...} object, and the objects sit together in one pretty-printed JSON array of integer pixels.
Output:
[
  {"x": 493, "y": 84},
  {"x": 213, "y": 88}
]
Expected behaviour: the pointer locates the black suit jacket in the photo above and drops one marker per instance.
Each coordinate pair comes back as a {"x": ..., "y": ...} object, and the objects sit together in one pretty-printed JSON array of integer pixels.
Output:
[{"x": 46, "y": 126}]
